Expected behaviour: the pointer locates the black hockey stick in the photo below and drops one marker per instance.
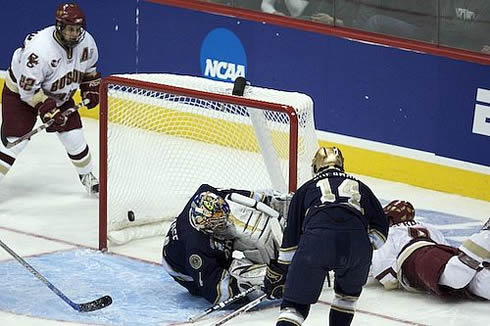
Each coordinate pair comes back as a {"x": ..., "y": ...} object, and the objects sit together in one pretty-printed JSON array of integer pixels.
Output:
[
  {"x": 241, "y": 310},
  {"x": 46, "y": 124},
  {"x": 82, "y": 307},
  {"x": 222, "y": 304}
]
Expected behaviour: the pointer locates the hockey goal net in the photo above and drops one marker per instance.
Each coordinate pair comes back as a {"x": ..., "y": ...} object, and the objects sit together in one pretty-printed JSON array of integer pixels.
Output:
[{"x": 163, "y": 135}]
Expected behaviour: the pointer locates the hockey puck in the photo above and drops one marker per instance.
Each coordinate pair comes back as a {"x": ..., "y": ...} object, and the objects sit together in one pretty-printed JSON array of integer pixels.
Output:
[{"x": 131, "y": 216}]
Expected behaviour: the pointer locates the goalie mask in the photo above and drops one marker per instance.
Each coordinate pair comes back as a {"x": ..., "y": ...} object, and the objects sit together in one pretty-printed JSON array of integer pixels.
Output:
[
  {"x": 70, "y": 24},
  {"x": 327, "y": 157},
  {"x": 209, "y": 213},
  {"x": 399, "y": 211}
]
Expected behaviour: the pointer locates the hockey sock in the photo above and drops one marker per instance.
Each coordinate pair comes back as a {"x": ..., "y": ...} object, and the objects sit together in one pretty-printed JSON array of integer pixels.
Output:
[{"x": 340, "y": 318}]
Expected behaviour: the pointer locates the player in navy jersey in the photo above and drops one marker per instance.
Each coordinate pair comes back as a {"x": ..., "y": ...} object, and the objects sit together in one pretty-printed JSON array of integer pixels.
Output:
[
  {"x": 334, "y": 222},
  {"x": 197, "y": 250}
]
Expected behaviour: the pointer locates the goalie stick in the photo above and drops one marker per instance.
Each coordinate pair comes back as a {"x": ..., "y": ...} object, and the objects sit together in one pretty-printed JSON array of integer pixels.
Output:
[
  {"x": 81, "y": 307},
  {"x": 46, "y": 124},
  {"x": 222, "y": 304},
  {"x": 241, "y": 310}
]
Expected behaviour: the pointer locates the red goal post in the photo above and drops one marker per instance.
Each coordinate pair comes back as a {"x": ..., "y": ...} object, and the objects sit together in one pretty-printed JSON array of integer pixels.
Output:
[{"x": 150, "y": 110}]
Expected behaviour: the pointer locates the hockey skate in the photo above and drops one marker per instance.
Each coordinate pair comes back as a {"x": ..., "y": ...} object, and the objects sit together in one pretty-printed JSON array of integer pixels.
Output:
[{"x": 90, "y": 182}]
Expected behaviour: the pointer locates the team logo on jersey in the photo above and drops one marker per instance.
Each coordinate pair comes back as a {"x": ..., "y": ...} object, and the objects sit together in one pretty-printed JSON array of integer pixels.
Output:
[
  {"x": 195, "y": 261},
  {"x": 223, "y": 56},
  {"x": 32, "y": 60}
]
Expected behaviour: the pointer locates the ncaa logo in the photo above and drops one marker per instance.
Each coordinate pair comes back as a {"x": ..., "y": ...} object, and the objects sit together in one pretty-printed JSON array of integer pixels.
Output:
[{"x": 223, "y": 56}]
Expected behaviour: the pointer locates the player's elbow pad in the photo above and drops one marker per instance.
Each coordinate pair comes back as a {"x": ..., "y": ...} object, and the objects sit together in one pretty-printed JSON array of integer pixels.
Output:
[{"x": 376, "y": 238}]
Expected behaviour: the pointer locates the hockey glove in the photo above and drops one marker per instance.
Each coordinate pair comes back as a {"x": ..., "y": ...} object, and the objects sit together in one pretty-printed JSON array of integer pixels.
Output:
[
  {"x": 90, "y": 90},
  {"x": 275, "y": 278},
  {"x": 48, "y": 110}
]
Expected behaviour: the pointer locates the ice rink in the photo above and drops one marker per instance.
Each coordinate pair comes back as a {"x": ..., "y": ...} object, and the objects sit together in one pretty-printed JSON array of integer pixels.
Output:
[{"x": 47, "y": 218}]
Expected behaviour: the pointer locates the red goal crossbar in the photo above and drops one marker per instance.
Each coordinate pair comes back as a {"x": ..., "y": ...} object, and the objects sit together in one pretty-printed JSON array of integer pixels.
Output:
[{"x": 229, "y": 99}]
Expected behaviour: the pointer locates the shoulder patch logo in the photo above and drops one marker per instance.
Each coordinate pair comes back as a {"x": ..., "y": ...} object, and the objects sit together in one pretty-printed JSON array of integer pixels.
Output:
[
  {"x": 32, "y": 60},
  {"x": 55, "y": 63},
  {"x": 195, "y": 261}
]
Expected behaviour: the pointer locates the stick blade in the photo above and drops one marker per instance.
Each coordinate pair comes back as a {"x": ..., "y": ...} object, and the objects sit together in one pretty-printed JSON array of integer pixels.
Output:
[{"x": 95, "y": 305}]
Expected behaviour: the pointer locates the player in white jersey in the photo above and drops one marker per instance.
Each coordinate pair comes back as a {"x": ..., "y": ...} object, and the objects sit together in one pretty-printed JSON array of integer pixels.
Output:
[
  {"x": 44, "y": 74},
  {"x": 417, "y": 257}
]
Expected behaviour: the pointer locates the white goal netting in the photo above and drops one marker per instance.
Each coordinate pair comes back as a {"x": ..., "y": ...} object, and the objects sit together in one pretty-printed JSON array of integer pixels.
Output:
[{"x": 162, "y": 144}]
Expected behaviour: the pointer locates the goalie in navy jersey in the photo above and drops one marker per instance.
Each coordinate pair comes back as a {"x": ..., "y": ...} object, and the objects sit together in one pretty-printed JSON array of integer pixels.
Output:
[
  {"x": 334, "y": 223},
  {"x": 198, "y": 251}
]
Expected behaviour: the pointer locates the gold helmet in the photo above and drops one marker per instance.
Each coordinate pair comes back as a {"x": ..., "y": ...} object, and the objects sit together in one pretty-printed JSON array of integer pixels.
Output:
[{"x": 327, "y": 157}]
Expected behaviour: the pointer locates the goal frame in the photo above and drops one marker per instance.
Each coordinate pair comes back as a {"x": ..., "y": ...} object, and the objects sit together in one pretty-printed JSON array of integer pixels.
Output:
[{"x": 229, "y": 99}]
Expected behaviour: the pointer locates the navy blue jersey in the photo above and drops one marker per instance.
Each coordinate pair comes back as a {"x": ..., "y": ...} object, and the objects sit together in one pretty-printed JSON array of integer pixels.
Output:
[
  {"x": 331, "y": 189},
  {"x": 197, "y": 260}
]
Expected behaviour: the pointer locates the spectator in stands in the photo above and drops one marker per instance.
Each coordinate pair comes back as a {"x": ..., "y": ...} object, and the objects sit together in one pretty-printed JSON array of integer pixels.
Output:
[
  {"x": 322, "y": 11},
  {"x": 246, "y": 4},
  {"x": 293, "y": 8},
  {"x": 466, "y": 24},
  {"x": 222, "y": 2},
  {"x": 413, "y": 19}
]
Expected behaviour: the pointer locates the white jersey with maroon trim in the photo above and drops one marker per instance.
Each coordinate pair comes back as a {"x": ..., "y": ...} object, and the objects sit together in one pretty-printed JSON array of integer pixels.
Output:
[
  {"x": 43, "y": 63},
  {"x": 384, "y": 264}
]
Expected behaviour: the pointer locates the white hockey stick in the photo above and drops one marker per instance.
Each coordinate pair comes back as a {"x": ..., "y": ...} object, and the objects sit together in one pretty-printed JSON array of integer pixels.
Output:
[
  {"x": 81, "y": 307},
  {"x": 46, "y": 124},
  {"x": 241, "y": 310}
]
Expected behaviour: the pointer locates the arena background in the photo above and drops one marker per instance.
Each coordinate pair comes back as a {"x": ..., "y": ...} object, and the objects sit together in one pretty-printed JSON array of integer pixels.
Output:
[{"x": 402, "y": 115}]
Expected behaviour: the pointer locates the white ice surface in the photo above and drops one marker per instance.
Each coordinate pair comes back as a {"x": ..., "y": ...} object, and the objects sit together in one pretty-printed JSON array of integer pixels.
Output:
[{"x": 43, "y": 208}]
